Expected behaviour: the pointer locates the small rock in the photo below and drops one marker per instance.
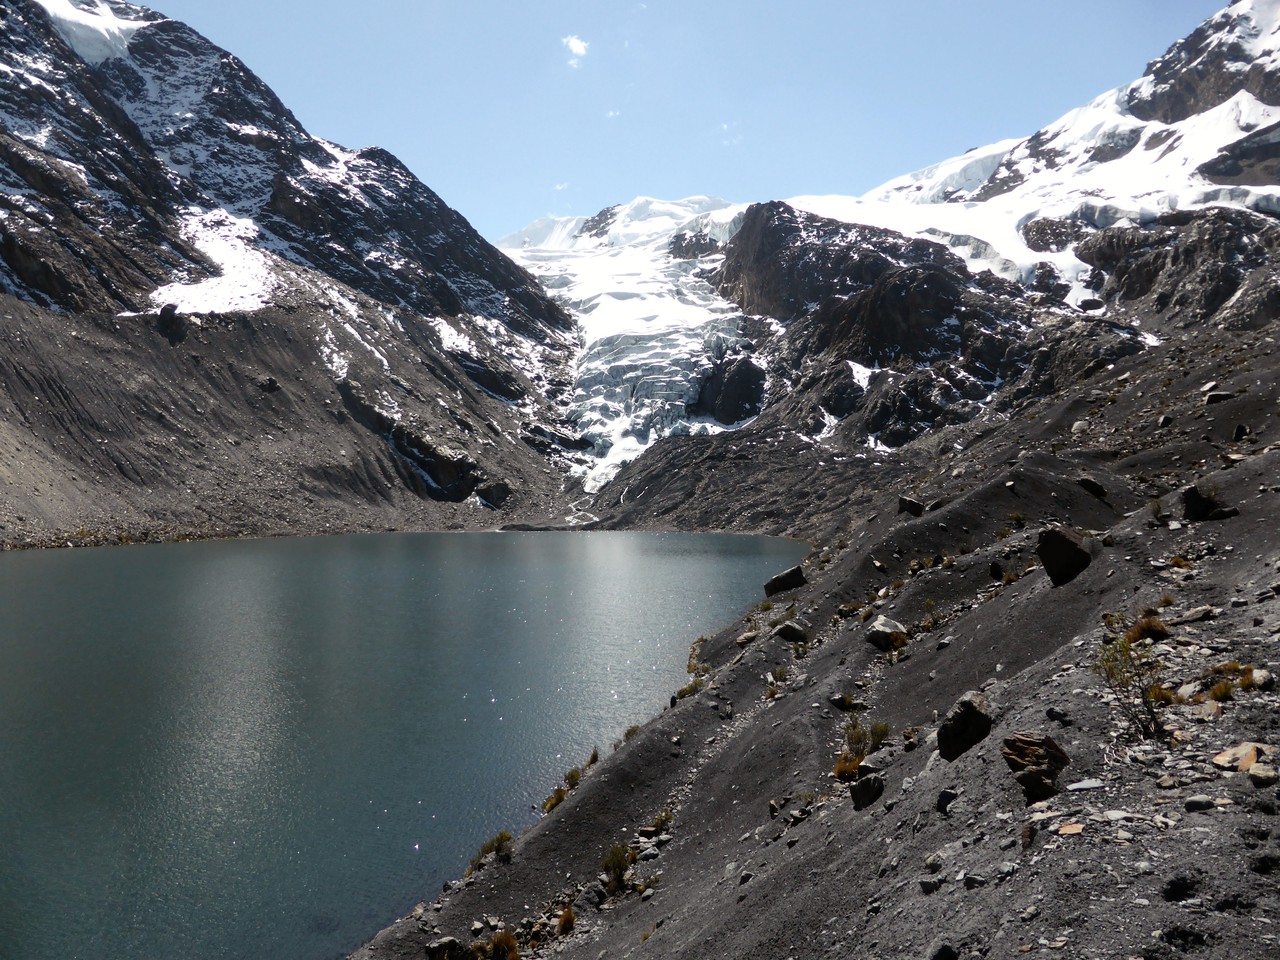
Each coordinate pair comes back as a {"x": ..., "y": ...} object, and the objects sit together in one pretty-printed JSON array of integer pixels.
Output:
[
  {"x": 946, "y": 797},
  {"x": 1198, "y": 803},
  {"x": 1085, "y": 785},
  {"x": 1079, "y": 427},
  {"x": 1263, "y": 680},
  {"x": 1217, "y": 396},
  {"x": 930, "y": 885},
  {"x": 1263, "y": 775},
  {"x": 446, "y": 948}
]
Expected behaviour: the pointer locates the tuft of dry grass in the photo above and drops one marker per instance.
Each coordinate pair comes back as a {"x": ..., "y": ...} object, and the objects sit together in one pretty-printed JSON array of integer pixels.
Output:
[
  {"x": 564, "y": 926},
  {"x": 1147, "y": 628},
  {"x": 503, "y": 946},
  {"x": 1222, "y": 691}
]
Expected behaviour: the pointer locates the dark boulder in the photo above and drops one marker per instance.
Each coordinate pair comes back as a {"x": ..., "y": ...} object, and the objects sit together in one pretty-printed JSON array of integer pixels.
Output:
[
  {"x": 866, "y": 791},
  {"x": 786, "y": 580},
  {"x": 910, "y": 505},
  {"x": 1063, "y": 553},
  {"x": 965, "y": 725},
  {"x": 1202, "y": 502}
]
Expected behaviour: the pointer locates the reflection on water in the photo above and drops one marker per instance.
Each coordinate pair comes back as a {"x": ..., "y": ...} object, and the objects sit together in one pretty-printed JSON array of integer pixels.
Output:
[{"x": 271, "y": 748}]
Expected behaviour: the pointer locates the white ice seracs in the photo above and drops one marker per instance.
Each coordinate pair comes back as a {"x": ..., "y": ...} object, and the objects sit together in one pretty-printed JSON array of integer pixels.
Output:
[{"x": 650, "y": 326}]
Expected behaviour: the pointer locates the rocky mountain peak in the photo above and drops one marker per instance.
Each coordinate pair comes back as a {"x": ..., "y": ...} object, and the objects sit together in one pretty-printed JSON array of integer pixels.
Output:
[{"x": 1236, "y": 50}]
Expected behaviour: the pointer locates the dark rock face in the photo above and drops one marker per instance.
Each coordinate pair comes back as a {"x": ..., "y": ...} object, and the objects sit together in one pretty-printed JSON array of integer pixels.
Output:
[
  {"x": 1253, "y": 160},
  {"x": 733, "y": 392},
  {"x": 1063, "y": 553},
  {"x": 1205, "y": 69},
  {"x": 966, "y": 724},
  {"x": 1188, "y": 267},
  {"x": 691, "y": 246}
]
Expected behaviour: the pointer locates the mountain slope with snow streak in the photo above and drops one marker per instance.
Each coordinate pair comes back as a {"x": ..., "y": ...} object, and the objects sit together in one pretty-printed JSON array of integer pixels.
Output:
[{"x": 150, "y": 177}]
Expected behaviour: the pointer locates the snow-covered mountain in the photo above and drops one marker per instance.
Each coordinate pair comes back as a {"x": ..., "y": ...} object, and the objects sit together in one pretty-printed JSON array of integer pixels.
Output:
[{"x": 657, "y": 318}]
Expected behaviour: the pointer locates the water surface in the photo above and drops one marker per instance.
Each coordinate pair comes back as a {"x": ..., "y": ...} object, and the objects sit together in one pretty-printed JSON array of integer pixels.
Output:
[{"x": 272, "y": 748}]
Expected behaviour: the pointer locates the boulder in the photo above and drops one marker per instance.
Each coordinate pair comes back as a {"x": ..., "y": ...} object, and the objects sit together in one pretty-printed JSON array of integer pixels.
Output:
[
  {"x": 791, "y": 632},
  {"x": 866, "y": 791},
  {"x": 910, "y": 505},
  {"x": 885, "y": 634},
  {"x": 1063, "y": 554},
  {"x": 1092, "y": 486},
  {"x": 1241, "y": 757},
  {"x": 786, "y": 580},
  {"x": 1036, "y": 760},
  {"x": 965, "y": 725},
  {"x": 1204, "y": 504}
]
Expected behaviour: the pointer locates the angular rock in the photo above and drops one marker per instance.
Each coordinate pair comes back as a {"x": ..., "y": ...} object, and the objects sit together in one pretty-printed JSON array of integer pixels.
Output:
[
  {"x": 791, "y": 632},
  {"x": 885, "y": 634},
  {"x": 1201, "y": 503},
  {"x": 1199, "y": 803},
  {"x": 866, "y": 791},
  {"x": 786, "y": 580},
  {"x": 1093, "y": 486},
  {"x": 1240, "y": 757},
  {"x": 1063, "y": 554},
  {"x": 910, "y": 505},
  {"x": 1036, "y": 760},
  {"x": 966, "y": 724},
  {"x": 1263, "y": 775}
]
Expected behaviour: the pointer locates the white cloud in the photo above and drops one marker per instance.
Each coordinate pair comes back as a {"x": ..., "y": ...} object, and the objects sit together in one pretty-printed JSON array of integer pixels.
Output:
[
  {"x": 561, "y": 187},
  {"x": 613, "y": 114},
  {"x": 577, "y": 47},
  {"x": 730, "y": 134}
]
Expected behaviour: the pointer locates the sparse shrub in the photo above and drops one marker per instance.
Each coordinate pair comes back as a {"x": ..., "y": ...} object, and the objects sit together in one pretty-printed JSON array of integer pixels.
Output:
[
  {"x": 564, "y": 926},
  {"x": 1004, "y": 534},
  {"x": 1148, "y": 627},
  {"x": 780, "y": 673},
  {"x": 594, "y": 758},
  {"x": 503, "y": 946},
  {"x": 573, "y": 778},
  {"x": 764, "y": 606},
  {"x": 630, "y": 732},
  {"x": 1247, "y": 682},
  {"x": 1011, "y": 578},
  {"x": 1179, "y": 562},
  {"x": 847, "y": 766},
  {"x": 1166, "y": 601},
  {"x": 868, "y": 613},
  {"x": 1018, "y": 520},
  {"x": 663, "y": 820},
  {"x": 1222, "y": 691},
  {"x": 1131, "y": 671},
  {"x": 689, "y": 689},
  {"x": 879, "y": 734},
  {"x": 615, "y": 864},
  {"x": 499, "y": 845},
  {"x": 1162, "y": 695},
  {"x": 557, "y": 797},
  {"x": 1154, "y": 508},
  {"x": 770, "y": 692}
]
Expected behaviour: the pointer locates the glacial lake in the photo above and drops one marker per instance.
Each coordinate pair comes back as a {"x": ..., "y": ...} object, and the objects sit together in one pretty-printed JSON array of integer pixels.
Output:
[{"x": 273, "y": 748}]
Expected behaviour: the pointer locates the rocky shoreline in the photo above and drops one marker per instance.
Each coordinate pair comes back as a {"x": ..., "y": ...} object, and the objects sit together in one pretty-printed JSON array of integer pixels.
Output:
[{"x": 741, "y": 838}]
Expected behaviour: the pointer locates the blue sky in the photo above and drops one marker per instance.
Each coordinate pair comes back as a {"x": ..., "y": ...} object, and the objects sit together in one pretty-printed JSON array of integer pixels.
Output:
[{"x": 517, "y": 110}]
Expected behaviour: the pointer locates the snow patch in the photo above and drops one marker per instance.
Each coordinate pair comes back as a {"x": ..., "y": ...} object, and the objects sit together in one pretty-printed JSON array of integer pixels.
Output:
[
  {"x": 248, "y": 275},
  {"x": 92, "y": 29}
]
